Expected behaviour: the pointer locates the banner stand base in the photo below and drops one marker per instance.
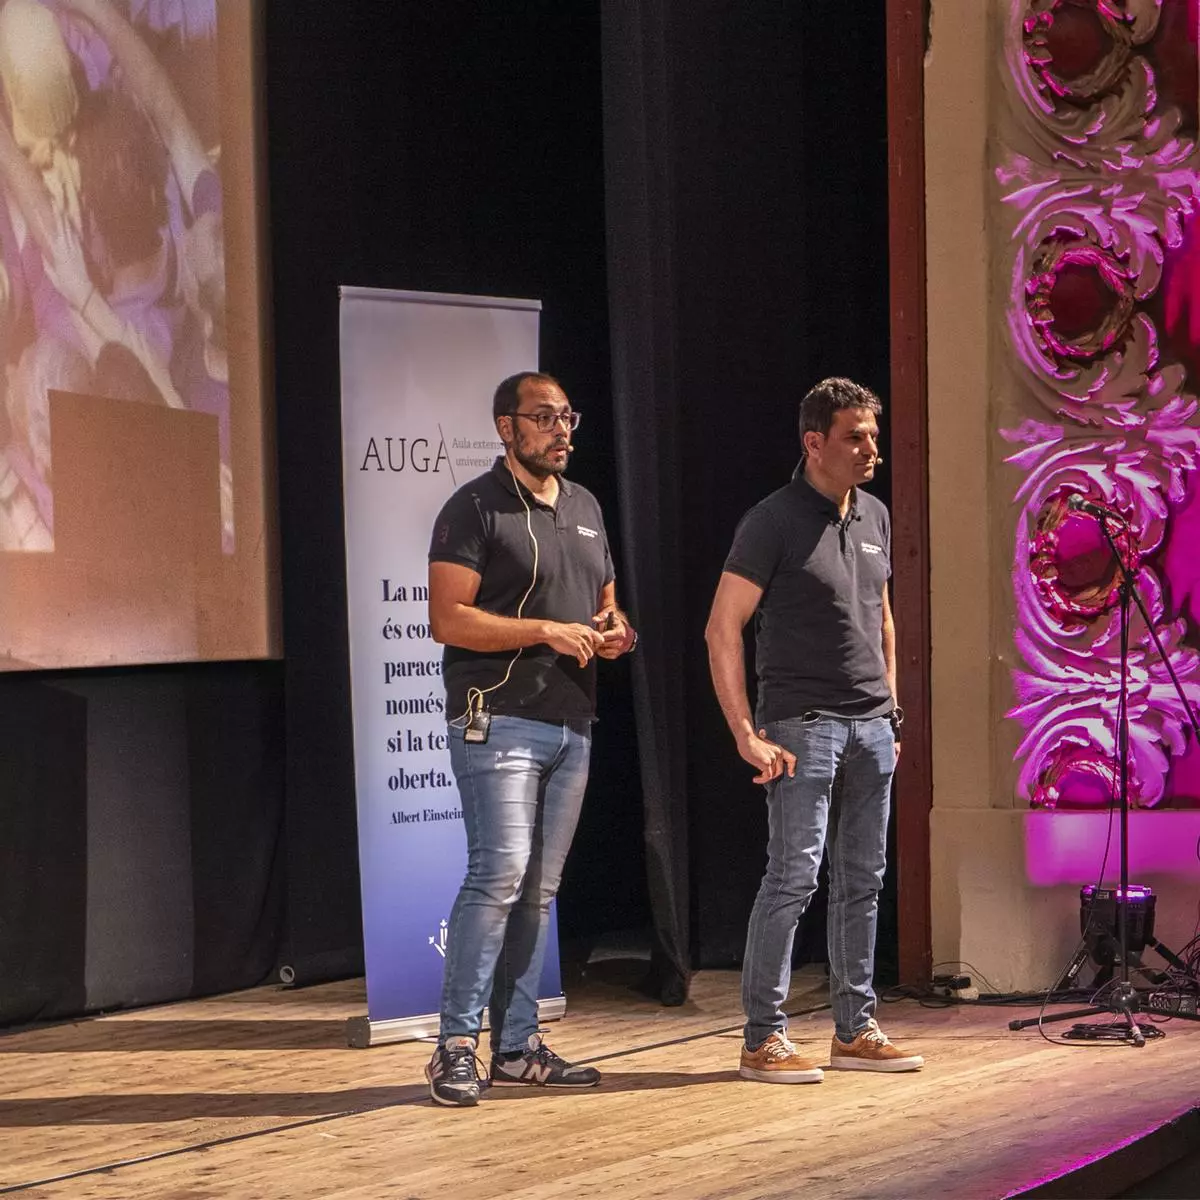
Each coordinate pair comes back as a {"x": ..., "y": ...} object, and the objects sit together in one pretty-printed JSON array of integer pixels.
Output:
[{"x": 363, "y": 1033}]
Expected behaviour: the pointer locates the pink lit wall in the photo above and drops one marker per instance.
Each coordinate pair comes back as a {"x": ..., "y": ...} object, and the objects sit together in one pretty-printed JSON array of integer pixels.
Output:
[{"x": 1099, "y": 176}]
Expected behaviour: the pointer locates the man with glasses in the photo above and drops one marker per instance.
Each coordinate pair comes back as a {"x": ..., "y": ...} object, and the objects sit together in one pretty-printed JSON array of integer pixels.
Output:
[
  {"x": 522, "y": 595},
  {"x": 812, "y": 560}
]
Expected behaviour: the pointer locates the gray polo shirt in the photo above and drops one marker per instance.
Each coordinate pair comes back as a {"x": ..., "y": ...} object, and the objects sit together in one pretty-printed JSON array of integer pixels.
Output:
[
  {"x": 484, "y": 526},
  {"x": 819, "y": 623}
]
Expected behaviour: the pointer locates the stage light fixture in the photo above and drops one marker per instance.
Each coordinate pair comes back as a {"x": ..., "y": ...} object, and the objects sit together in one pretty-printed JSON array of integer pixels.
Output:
[{"x": 1098, "y": 922}]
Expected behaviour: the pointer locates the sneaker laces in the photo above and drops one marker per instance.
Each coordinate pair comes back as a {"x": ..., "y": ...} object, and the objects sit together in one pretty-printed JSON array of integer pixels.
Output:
[
  {"x": 778, "y": 1047},
  {"x": 875, "y": 1035},
  {"x": 544, "y": 1055},
  {"x": 463, "y": 1065}
]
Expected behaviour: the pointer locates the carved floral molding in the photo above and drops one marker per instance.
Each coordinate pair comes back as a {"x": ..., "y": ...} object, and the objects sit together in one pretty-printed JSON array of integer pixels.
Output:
[{"x": 1098, "y": 177}]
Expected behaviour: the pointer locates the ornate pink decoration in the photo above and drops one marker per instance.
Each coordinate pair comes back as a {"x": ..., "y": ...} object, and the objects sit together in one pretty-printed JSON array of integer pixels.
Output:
[{"x": 1098, "y": 181}]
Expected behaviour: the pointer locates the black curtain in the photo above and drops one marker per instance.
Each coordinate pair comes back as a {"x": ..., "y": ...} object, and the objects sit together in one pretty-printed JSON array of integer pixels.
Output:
[
  {"x": 450, "y": 147},
  {"x": 747, "y": 212},
  {"x": 141, "y": 816},
  {"x": 642, "y": 315},
  {"x": 43, "y": 852}
]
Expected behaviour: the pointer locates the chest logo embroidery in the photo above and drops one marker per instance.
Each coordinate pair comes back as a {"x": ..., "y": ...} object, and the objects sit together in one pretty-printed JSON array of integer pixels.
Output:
[
  {"x": 871, "y": 548},
  {"x": 584, "y": 531}
]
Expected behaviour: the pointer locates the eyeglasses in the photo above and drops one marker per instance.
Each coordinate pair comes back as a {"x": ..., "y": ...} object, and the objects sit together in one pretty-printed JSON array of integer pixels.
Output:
[{"x": 546, "y": 421}]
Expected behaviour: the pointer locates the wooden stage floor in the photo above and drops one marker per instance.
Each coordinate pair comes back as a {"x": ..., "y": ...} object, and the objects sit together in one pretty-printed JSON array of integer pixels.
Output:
[{"x": 255, "y": 1095}]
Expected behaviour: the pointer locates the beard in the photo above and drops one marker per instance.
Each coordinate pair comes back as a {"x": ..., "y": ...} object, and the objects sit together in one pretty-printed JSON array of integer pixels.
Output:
[{"x": 541, "y": 463}]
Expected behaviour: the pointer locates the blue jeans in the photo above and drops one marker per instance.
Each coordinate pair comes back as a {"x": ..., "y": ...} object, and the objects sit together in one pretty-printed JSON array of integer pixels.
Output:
[
  {"x": 521, "y": 794},
  {"x": 842, "y": 789}
]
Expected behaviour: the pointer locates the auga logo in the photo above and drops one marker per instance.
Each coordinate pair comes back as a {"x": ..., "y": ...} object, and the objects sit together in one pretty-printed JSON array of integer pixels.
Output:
[{"x": 397, "y": 453}]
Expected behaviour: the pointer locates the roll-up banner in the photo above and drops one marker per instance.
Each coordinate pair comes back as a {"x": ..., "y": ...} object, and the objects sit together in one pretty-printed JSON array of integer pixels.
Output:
[{"x": 418, "y": 373}]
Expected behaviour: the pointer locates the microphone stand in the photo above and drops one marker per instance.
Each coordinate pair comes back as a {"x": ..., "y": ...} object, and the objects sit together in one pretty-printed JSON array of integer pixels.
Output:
[{"x": 1123, "y": 1000}]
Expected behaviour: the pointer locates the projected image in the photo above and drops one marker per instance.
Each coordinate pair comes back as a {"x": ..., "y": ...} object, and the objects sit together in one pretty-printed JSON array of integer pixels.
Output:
[{"x": 112, "y": 246}]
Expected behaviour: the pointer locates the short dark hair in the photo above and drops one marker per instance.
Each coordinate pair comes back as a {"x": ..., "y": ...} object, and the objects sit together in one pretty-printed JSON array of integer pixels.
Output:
[
  {"x": 508, "y": 395},
  {"x": 830, "y": 396}
]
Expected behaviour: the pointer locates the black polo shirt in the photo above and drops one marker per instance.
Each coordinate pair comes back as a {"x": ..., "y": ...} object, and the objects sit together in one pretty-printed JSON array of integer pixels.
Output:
[
  {"x": 484, "y": 526},
  {"x": 820, "y": 621}
]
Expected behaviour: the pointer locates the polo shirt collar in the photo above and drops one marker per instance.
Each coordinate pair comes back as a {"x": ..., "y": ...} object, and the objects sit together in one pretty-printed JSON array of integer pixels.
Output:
[
  {"x": 505, "y": 476},
  {"x": 819, "y": 500}
]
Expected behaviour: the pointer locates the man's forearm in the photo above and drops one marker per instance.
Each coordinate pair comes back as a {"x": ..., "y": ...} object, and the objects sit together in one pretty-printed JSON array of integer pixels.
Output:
[
  {"x": 727, "y": 663},
  {"x": 889, "y": 659},
  {"x": 471, "y": 628}
]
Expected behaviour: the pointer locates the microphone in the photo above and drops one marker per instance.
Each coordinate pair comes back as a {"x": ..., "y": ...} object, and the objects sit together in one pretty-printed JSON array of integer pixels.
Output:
[
  {"x": 1077, "y": 503},
  {"x": 878, "y": 459},
  {"x": 569, "y": 448}
]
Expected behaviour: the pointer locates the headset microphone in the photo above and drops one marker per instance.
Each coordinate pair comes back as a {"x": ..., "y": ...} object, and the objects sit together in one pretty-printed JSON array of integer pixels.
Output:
[{"x": 878, "y": 459}]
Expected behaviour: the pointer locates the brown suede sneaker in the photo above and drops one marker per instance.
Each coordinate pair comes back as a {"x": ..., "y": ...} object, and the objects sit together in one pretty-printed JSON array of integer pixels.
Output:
[
  {"x": 776, "y": 1061},
  {"x": 871, "y": 1051}
]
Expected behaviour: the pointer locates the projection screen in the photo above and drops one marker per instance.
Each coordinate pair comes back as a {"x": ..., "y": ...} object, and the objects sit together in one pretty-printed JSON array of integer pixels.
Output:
[{"x": 134, "y": 519}]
